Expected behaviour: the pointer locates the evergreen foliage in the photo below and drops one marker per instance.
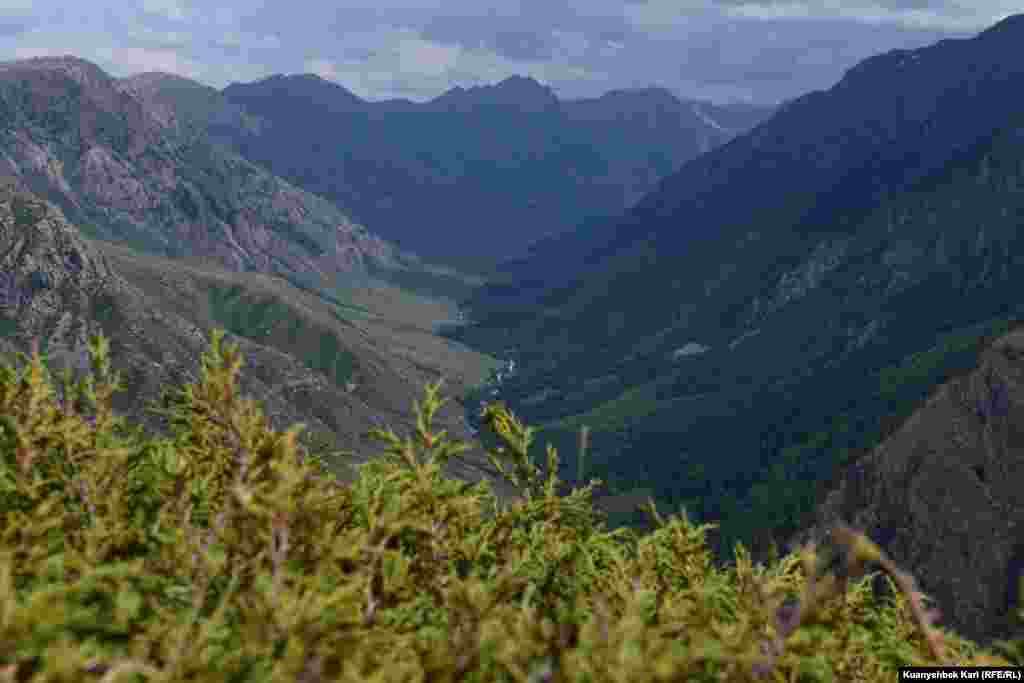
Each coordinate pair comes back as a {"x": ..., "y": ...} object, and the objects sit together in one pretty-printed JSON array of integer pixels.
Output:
[{"x": 225, "y": 551}]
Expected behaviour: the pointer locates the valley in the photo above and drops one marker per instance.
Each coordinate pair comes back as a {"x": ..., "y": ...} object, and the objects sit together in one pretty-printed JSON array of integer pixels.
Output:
[
  {"x": 769, "y": 319},
  {"x": 875, "y": 255}
]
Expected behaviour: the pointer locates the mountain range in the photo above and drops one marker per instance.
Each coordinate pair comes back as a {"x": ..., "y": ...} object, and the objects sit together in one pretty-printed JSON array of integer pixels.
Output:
[
  {"x": 339, "y": 370},
  {"x": 125, "y": 217},
  {"x": 120, "y": 215},
  {"x": 495, "y": 167},
  {"x": 780, "y": 305},
  {"x": 124, "y": 171},
  {"x": 774, "y": 318},
  {"x": 185, "y": 234}
]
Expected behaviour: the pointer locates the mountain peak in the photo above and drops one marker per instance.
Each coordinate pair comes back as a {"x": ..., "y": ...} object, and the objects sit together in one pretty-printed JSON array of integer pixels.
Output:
[
  {"x": 82, "y": 71},
  {"x": 523, "y": 92},
  {"x": 309, "y": 81},
  {"x": 157, "y": 77},
  {"x": 1014, "y": 22},
  {"x": 648, "y": 94},
  {"x": 328, "y": 96},
  {"x": 51, "y": 62},
  {"x": 525, "y": 87},
  {"x": 522, "y": 82}
]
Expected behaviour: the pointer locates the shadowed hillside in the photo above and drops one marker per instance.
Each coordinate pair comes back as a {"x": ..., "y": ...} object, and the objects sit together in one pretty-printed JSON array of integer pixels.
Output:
[
  {"x": 477, "y": 174},
  {"x": 341, "y": 369},
  {"x": 942, "y": 495},
  {"x": 776, "y": 306}
]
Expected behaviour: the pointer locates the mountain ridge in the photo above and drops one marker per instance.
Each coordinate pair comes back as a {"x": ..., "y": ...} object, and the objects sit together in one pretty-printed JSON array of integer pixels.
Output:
[
  {"x": 307, "y": 360},
  {"x": 789, "y": 329},
  {"x": 132, "y": 164},
  {"x": 557, "y": 162},
  {"x": 699, "y": 186}
]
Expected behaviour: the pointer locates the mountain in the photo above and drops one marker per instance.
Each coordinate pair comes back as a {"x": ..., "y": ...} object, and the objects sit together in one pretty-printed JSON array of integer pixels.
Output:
[
  {"x": 495, "y": 167},
  {"x": 340, "y": 370},
  {"x": 891, "y": 119},
  {"x": 127, "y": 166},
  {"x": 942, "y": 495},
  {"x": 744, "y": 327},
  {"x": 185, "y": 104},
  {"x": 520, "y": 93}
]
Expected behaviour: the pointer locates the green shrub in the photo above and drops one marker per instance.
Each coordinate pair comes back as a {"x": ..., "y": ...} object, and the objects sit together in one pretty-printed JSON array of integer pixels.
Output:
[{"x": 224, "y": 551}]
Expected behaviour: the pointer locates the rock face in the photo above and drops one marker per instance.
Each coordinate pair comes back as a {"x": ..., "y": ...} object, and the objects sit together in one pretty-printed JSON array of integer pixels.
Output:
[
  {"x": 301, "y": 363},
  {"x": 48, "y": 276},
  {"x": 126, "y": 168},
  {"x": 943, "y": 494}
]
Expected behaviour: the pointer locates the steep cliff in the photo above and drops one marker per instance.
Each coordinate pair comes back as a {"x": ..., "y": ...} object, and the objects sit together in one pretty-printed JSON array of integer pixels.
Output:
[{"x": 943, "y": 494}]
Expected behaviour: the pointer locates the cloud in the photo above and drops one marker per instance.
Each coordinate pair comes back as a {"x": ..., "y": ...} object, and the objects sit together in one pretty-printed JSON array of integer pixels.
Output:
[
  {"x": 915, "y": 14},
  {"x": 764, "y": 50},
  {"x": 139, "y": 60},
  {"x": 146, "y": 37},
  {"x": 397, "y": 62},
  {"x": 174, "y": 10}
]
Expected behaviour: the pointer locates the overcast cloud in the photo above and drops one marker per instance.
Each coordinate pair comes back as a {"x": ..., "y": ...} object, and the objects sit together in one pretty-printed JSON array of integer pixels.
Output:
[{"x": 755, "y": 50}]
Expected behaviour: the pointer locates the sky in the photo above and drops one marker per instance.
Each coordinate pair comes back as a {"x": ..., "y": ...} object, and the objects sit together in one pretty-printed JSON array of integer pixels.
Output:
[{"x": 761, "y": 51}]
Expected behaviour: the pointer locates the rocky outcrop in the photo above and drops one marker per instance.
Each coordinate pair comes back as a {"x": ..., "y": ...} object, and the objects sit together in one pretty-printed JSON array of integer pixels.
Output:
[
  {"x": 799, "y": 282},
  {"x": 943, "y": 494},
  {"x": 48, "y": 275},
  {"x": 689, "y": 349}
]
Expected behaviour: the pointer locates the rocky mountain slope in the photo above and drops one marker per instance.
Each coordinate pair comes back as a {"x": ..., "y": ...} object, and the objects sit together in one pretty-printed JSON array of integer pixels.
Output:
[
  {"x": 942, "y": 495},
  {"x": 126, "y": 167},
  {"x": 767, "y": 312},
  {"x": 494, "y": 167},
  {"x": 336, "y": 369}
]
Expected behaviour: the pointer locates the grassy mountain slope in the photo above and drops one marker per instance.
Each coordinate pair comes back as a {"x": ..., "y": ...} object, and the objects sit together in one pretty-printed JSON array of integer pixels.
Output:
[
  {"x": 855, "y": 344},
  {"x": 708, "y": 235},
  {"x": 732, "y": 336},
  {"x": 342, "y": 369}
]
